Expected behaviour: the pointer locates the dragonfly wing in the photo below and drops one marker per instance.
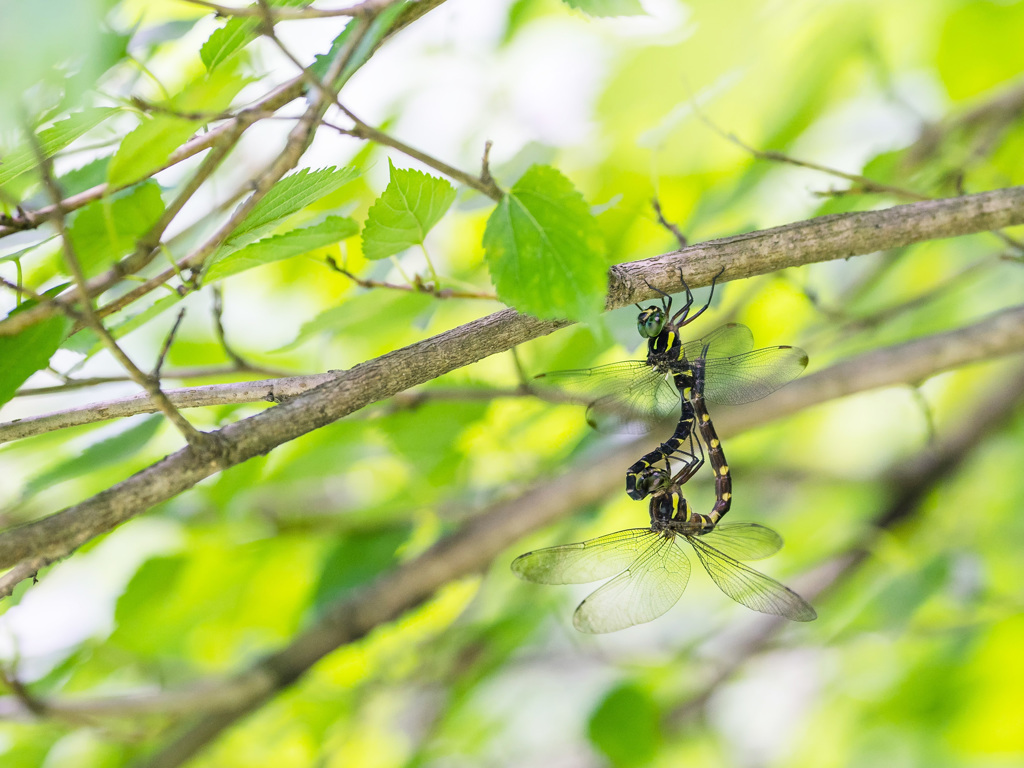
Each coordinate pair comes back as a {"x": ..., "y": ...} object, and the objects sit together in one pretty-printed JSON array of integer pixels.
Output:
[
  {"x": 750, "y": 588},
  {"x": 585, "y": 561},
  {"x": 743, "y": 541},
  {"x": 630, "y": 396},
  {"x": 643, "y": 592},
  {"x": 725, "y": 341},
  {"x": 753, "y": 375}
]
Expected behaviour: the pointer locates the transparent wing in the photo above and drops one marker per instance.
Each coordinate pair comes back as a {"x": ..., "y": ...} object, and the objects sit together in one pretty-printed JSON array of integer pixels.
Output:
[
  {"x": 630, "y": 396},
  {"x": 743, "y": 541},
  {"x": 647, "y": 589},
  {"x": 725, "y": 341},
  {"x": 750, "y": 588},
  {"x": 751, "y": 376},
  {"x": 585, "y": 561}
]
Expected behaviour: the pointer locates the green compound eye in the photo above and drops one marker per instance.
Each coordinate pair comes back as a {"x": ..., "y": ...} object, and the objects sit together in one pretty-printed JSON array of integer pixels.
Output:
[{"x": 650, "y": 322}]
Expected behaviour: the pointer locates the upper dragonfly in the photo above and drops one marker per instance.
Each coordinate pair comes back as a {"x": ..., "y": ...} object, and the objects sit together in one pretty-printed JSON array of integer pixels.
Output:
[{"x": 634, "y": 395}]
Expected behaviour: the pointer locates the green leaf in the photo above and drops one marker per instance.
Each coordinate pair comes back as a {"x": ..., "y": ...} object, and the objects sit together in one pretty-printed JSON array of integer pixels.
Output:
[
  {"x": 544, "y": 249},
  {"x": 409, "y": 207},
  {"x": 289, "y": 195},
  {"x": 365, "y": 313},
  {"x": 356, "y": 559},
  {"x": 26, "y": 352},
  {"x": 121, "y": 447},
  {"x": 228, "y": 40},
  {"x": 147, "y": 148},
  {"x": 285, "y": 246},
  {"x": 608, "y": 7},
  {"x": 625, "y": 727},
  {"x": 52, "y": 140},
  {"x": 364, "y": 48},
  {"x": 107, "y": 229}
]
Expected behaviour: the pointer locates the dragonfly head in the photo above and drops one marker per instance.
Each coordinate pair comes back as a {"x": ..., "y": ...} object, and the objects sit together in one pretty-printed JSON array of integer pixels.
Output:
[
  {"x": 650, "y": 322},
  {"x": 646, "y": 482}
]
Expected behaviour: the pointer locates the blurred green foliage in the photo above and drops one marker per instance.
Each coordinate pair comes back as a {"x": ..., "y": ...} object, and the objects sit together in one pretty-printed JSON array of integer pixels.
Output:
[{"x": 915, "y": 658}]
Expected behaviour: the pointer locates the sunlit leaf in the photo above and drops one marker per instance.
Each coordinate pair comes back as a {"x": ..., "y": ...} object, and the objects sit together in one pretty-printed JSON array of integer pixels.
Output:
[
  {"x": 24, "y": 353},
  {"x": 607, "y": 7},
  {"x": 228, "y": 40},
  {"x": 544, "y": 248},
  {"x": 147, "y": 148},
  {"x": 108, "y": 228},
  {"x": 409, "y": 207},
  {"x": 284, "y": 246},
  {"x": 52, "y": 140},
  {"x": 291, "y": 194}
]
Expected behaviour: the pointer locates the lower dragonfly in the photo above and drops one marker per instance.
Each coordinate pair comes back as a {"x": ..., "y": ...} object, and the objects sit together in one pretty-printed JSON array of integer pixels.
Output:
[{"x": 651, "y": 570}]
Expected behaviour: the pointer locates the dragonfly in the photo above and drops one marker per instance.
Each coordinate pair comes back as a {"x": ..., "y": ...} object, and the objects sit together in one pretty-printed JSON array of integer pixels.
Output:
[
  {"x": 648, "y": 569},
  {"x": 635, "y": 395}
]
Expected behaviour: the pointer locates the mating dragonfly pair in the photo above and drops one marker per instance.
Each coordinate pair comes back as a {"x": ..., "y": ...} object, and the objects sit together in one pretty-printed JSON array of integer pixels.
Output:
[{"x": 649, "y": 567}]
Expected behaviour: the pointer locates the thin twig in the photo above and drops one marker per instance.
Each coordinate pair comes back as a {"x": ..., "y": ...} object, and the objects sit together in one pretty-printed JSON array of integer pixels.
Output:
[
  {"x": 218, "y": 324},
  {"x": 21, "y": 290},
  {"x": 216, "y": 371},
  {"x": 367, "y": 132},
  {"x": 680, "y": 237},
  {"x": 417, "y": 286},
  {"x": 864, "y": 184},
  {"x": 167, "y": 346}
]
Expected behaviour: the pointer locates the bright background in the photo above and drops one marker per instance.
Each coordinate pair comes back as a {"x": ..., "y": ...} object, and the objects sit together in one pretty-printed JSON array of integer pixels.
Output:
[{"x": 914, "y": 661}]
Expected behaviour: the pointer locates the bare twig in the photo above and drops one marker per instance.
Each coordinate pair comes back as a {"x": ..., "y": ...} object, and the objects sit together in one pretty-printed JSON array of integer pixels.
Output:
[
  {"x": 417, "y": 286},
  {"x": 204, "y": 372},
  {"x": 365, "y": 131},
  {"x": 167, "y": 346},
  {"x": 218, "y": 324},
  {"x": 680, "y": 237},
  {"x": 864, "y": 185}
]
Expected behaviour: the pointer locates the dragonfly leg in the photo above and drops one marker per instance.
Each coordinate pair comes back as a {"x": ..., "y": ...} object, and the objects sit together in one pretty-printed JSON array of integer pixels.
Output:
[{"x": 687, "y": 319}]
